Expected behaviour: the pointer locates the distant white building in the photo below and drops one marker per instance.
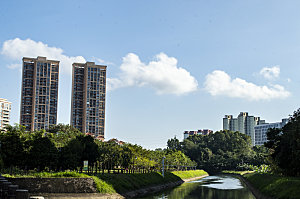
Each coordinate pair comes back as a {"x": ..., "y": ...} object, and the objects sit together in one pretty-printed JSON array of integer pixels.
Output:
[
  {"x": 261, "y": 130},
  {"x": 5, "y": 108}
]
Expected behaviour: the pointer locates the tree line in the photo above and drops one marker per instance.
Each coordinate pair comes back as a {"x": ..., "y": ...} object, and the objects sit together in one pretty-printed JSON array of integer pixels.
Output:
[
  {"x": 227, "y": 150},
  {"x": 284, "y": 145},
  {"x": 63, "y": 147},
  {"x": 222, "y": 150}
]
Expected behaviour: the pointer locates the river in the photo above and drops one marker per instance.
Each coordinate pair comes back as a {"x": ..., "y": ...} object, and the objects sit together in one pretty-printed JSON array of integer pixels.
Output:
[{"x": 211, "y": 187}]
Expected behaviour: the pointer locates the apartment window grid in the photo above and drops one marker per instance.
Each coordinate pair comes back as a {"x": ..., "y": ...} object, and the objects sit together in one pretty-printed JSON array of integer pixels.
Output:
[
  {"x": 39, "y": 93},
  {"x": 95, "y": 101},
  {"x": 88, "y": 98}
]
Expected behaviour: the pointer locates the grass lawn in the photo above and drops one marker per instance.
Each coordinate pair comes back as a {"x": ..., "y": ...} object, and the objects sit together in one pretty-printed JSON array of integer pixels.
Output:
[{"x": 276, "y": 186}]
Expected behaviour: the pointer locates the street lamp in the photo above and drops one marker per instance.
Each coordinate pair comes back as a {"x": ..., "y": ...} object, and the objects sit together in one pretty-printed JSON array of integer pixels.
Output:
[{"x": 163, "y": 166}]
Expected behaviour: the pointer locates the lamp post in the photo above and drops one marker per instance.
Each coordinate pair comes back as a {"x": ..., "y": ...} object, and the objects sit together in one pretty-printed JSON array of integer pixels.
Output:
[{"x": 163, "y": 166}]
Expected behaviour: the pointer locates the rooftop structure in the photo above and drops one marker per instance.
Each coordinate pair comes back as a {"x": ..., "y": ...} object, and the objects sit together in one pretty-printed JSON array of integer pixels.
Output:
[{"x": 186, "y": 134}]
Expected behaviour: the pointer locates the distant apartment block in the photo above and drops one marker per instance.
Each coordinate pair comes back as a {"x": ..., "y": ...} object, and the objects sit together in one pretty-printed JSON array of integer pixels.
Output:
[
  {"x": 88, "y": 98},
  {"x": 186, "y": 134},
  {"x": 243, "y": 123},
  {"x": 5, "y": 108},
  {"x": 262, "y": 129},
  {"x": 39, "y": 93}
]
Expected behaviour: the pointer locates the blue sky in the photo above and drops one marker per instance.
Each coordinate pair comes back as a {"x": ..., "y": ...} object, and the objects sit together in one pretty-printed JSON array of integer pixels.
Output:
[{"x": 172, "y": 65}]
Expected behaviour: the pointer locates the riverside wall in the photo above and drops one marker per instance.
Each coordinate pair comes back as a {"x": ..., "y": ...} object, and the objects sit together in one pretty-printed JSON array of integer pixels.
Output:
[{"x": 56, "y": 185}]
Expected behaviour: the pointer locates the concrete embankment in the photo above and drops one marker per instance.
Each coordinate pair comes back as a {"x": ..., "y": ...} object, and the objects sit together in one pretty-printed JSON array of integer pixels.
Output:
[{"x": 83, "y": 188}]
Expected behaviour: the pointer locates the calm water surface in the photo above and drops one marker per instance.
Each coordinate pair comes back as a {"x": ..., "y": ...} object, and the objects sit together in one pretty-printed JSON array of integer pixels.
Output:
[{"x": 211, "y": 187}]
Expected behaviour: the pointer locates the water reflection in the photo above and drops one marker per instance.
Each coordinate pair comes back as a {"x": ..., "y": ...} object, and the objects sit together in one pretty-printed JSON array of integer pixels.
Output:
[{"x": 211, "y": 187}]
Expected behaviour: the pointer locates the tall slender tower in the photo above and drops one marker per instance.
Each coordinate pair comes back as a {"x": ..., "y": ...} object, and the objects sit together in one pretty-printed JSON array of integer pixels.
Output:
[
  {"x": 88, "y": 98},
  {"x": 39, "y": 93}
]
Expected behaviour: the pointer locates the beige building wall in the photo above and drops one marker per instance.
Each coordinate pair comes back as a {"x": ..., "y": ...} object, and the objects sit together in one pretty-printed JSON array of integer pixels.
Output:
[
  {"x": 88, "y": 98},
  {"x": 39, "y": 95}
]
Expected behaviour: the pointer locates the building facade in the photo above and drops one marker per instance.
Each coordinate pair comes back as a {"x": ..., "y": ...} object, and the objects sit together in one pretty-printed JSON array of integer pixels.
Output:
[
  {"x": 5, "y": 108},
  {"x": 88, "y": 98},
  {"x": 186, "y": 134},
  {"x": 244, "y": 123},
  {"x": 262, "y": 129},
  {"x": 39, "y": 95},
  {"x": 230, "y": 123}
]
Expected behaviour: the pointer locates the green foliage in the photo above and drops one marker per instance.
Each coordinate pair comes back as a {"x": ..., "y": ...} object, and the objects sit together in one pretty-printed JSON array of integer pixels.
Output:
[
  {"x": 275, "y": 186},
  {"x": 284, "y": 145},
  {"x": 64, "y": 148},
  {"x": 61, "y": 134},
  {"x": 42, "y": 153},
  {"x": 174, "y": 144},
  {"x": 222, "y": 150},
  {"x": 12, "y": 146},
  {"x": 34, "y": 174}
]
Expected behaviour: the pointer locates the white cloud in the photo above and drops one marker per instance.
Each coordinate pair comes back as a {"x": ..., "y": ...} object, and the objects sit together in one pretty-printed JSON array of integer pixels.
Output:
[
  {"x": 101, "y": 61},
  {"x": 219, "y": 83},
  {"x": 14, "y": 66},
  {"x": 162, "y": 74},
  {"x": 270, "y": 73},
  {"x": 16, "y": 48}
]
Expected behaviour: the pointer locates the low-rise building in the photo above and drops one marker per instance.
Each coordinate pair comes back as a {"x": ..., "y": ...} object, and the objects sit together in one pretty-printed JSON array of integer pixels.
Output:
[
  {"x": 262, "y": 129},
  {"x": 186, "y": 134}
]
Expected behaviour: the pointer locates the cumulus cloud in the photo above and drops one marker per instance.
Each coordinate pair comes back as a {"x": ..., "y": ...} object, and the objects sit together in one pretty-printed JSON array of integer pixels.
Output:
[
  {"x": 162, "y": 74},
  {"x": 219, "y": 83},
  {"x": 270, "y": 73},
  {"x": 101, "y": 61},
  {"x": 17, "y": 48}
]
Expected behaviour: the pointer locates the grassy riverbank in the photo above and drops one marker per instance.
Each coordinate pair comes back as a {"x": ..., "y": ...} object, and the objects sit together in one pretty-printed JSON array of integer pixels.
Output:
[
  {"x": 121, "y": 183},
  {"x": 275, "y": 186},
  {"x": 280, "y": 187}
]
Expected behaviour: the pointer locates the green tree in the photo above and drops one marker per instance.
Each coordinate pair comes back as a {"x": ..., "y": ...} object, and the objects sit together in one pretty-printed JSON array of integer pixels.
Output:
[
  {"x": 12, "y": 146},
  {"x": 174, "y": 144},
  {"x": 42, "y": 152},
  {"x": 284, "y": 145},
  {"x": 71, "y": 155}
]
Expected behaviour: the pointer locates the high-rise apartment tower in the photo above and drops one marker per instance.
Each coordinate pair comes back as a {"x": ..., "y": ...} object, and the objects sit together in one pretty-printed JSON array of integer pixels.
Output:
[
  {"x": 88, "y": 98},
  {"x": 39, "y": 93},
  {"x": 243, "y": 123},
  {"x": 5, "y": 108}
]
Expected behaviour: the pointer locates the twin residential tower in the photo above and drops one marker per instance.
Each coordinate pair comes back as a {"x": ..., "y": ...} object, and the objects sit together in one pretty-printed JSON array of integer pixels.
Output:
[{"x": 39, "y": 96}]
